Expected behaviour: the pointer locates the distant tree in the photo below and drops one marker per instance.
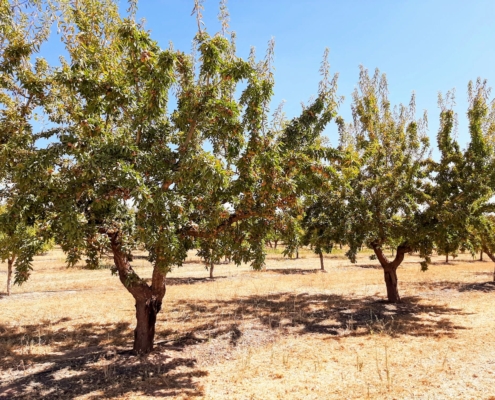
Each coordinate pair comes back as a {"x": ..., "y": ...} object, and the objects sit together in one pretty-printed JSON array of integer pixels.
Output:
[
  {"x": 124, "y": 171},
  {"x": 385, "y": 150},
  {"x": 446, "y": 189}
]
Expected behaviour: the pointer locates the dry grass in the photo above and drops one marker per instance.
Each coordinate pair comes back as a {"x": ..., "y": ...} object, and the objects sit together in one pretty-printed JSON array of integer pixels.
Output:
[{"x": 290, "y": 332}]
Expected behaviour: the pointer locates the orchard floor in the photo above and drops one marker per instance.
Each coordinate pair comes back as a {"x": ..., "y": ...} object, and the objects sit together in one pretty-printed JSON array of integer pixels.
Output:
[{"x": 290, "y": 332}]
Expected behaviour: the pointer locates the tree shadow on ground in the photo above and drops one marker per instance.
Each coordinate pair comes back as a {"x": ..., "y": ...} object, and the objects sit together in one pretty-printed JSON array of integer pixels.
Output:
[
  {"x": 89, "y": 360},
  {"x": 332, "y": 315},
  {"x": 459, "y": 286},
  {"x": 293, "y": 271}
]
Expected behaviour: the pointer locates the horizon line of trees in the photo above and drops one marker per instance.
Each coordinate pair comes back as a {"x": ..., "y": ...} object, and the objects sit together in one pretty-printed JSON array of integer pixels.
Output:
[{"x": 216, "y": 172}]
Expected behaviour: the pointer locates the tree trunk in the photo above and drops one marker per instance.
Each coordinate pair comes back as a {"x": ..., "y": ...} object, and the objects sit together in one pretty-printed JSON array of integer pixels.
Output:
[
  {"x": 297, "y": 253},
  {"x": 481, "y": 255},
  {"x": 211, "y": 270},
  {"x": 322, "y": 266},
  {"x": 144, "y": 334},
  {"x": 390, "y": 269},
  {"x": 275, "y": 242},
  {"x": 148, "y": 298},
  {"x": 391, "y": 282},
  {"x": 447, "y": 258},
  {"x": 10, "y": 264},
  {"x": 492, "y": 257},
  {"x": 270, "y": 244}
]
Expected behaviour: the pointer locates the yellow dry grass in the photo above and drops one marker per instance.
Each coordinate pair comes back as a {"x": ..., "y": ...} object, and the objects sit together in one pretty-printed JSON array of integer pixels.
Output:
[{"x": 290, "y": 332}]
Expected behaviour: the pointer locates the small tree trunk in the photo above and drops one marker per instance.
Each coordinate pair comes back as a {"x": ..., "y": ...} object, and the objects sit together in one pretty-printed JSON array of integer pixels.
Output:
[
  {"x": 340, "y": 244},
  {"x": 492, "y": 257},
  {"x": 322, "y": 266},
  {"x": 275, "y": 242},
  {"x": 211, "y": 270},
  {"x": 447, "y": 258},
  {"x": 297, "y": 253},
  {"x": 10, "y": 264},
  {"x": 270, "y": 244},
  {"x": 481, "y": 255}
]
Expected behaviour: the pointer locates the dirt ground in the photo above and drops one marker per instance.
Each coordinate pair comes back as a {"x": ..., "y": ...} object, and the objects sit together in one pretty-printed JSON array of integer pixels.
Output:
[{"x": 290, "y": 332}]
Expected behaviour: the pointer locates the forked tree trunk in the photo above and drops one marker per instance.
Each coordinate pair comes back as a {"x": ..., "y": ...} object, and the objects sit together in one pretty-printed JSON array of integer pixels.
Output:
[
  {"x": 322, "y": 266},
  {"x": 211, "y": 270},
  {"x": 10, "y": 264},
  {"x": 148, "y": 298},
  {"x": 390, "y": 270}
]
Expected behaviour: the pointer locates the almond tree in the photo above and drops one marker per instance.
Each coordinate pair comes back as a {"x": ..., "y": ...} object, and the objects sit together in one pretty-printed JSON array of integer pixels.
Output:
[
  {"x": 122, "y": 169},
  {"x": 385, "y": 150},
  {"x": 24, "y": 83},
  {"x": 446, "y": 189}
]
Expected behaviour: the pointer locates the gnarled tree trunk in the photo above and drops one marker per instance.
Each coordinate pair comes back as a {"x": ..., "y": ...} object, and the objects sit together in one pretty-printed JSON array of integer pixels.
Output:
[
  {"x": 148, "y": 298},
  {"x": 390, "y": 270}
]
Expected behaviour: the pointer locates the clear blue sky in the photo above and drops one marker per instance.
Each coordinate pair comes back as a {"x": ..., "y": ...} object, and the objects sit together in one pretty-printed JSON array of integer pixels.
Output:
[{"x": 422, "y": 46}]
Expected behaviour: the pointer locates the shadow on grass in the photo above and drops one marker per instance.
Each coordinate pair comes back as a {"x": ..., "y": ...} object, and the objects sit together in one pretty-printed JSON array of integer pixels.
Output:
[
  {"x": 91, "y": 360},
  {"x": 460, "y": 287},
  {"x": 293, "y": 271},
  {"x": 332, "y": 315}
]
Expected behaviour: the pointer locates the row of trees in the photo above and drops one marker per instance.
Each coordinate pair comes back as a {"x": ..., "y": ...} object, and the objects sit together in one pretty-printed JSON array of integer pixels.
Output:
[{"x": 216, "y": 171}]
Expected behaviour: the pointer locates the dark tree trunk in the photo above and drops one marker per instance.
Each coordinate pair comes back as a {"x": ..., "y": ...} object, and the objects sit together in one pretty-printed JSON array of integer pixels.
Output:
[
  {"x": 481, "y": 255},
  {"x": 390, "y": 269},
  {"x": 340, "y": 244},
  {"x": 275, "y": 242},
  {"x": 144, "y": 334},
  {"x": 322, "y": 266},
  {"x": 270, "y": 244},
  {"x": 148, "y": 298},
  {"x": 10, "y": 264},
  {"x": 447, "y": 258},
  {"x": 211, "y": 270},
  {"x": 297, "y": 253},
  {"x": 391, "y": 282}
]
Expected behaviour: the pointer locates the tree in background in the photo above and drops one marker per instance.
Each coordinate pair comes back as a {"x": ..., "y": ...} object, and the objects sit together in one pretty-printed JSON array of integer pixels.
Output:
[
  {"x": 446, "y": 189},
  {"x": 24, "y": 89},
  {"x": 121, "y": 169}
]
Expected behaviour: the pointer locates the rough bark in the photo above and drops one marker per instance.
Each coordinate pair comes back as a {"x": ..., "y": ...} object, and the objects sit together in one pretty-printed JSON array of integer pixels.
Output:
[
  {"x": 322, "y": 266},
  {"x": 148, "y": 299},
  {"x": 390, "y": 270},
  {"x": 10, "y": 264}
]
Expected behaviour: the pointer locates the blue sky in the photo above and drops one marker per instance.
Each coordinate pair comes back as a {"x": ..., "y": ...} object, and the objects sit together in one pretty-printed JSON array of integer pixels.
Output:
[{"x": 422, "y": 46}]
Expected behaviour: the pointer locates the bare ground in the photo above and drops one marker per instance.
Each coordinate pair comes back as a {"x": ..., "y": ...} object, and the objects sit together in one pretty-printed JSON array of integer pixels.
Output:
[{"x": 290, "y": 332}]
